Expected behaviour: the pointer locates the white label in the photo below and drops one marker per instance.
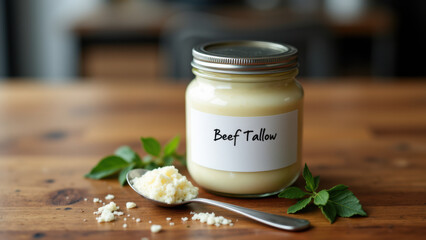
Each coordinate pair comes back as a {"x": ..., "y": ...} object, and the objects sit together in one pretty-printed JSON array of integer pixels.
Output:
[{"x": 243, "y": 144}]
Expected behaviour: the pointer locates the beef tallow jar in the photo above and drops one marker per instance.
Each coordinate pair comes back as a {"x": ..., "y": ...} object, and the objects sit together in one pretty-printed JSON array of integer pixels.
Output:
[{"x": 244, "y": 118}]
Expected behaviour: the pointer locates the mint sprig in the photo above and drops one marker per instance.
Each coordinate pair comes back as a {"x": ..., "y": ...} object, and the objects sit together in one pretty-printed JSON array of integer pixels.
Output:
[
  {"x": 336, "y": 201},
  {"x": 125, "y": 159}
]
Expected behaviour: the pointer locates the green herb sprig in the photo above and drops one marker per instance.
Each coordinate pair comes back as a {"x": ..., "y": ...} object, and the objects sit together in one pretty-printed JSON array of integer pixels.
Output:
[
  {"x": 336, "y": 201},
  {"x": 125, "y": 159}
]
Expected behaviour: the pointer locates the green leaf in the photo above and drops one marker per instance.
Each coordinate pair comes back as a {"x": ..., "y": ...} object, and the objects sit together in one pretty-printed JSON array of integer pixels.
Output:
[
  {"x": 167, "y": 160},
  {"x": 171, "y": 146},
  {"x": 138, "y": 162},
  {"x": 310, "y": 182},
  {"x": 180, "y": 158},
  {"x": 345, "y": 203},
  {"x": 292, "y": 193},
  {"x": 106, "y": 167},
  {"x": 151, "y": 166},
  {"x": 336, "y": 201},
  {"x": 337, "y": 188},
  {"x": 147, "y": 159},
  {"x": 125, "y": 152},
  {"x": 151, "y": 146},
  {"x": 329, "y": 212},
  {"x": 125, "y": 159},
  {"x": 299, "y": 205},
  {"x": 123, "y": 174},
  {"x": 316, "y": 182},
  {"x": 321, "y": 198}
]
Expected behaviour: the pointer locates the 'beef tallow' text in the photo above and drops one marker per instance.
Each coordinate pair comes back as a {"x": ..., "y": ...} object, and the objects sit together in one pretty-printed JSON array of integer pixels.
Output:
[{"x": 248, "y": 135}]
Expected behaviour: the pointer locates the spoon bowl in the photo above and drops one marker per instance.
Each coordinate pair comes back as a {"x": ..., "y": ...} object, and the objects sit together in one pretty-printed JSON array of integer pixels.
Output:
[{"x": 277, "y": 221}]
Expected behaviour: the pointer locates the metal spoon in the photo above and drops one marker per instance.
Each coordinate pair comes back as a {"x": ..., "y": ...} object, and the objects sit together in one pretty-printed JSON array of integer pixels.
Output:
[{"x": 281, "y": 222}]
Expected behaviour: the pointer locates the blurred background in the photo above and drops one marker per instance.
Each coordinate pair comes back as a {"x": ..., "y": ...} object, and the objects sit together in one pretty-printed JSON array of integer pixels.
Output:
[{"x": 148, "y": 40}]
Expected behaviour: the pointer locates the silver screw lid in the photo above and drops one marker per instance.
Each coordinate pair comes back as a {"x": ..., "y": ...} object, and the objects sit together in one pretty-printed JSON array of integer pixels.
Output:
[{"x": 244, "y": 57}]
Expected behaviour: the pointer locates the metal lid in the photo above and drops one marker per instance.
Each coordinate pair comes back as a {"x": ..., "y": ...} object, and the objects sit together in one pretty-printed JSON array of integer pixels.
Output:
[{"x": 244, "y": 57}]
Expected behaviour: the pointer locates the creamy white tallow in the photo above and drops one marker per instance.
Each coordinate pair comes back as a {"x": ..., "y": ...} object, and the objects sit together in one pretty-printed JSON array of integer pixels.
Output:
[
  {"x": 165, "y": 184},
  {"x": 244, "y": 96}
]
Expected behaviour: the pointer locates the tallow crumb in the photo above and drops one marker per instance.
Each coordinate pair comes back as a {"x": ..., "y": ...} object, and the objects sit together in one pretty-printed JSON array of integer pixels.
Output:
[
  {"x": 109, "y": 197},
  {"x": 211, "y": 219},
  {"x": 155, "y": 228},
  {"x": 106, "y": 212},
  {"x": 118, "y": 213},
  {"x": 130, "y": 205}
]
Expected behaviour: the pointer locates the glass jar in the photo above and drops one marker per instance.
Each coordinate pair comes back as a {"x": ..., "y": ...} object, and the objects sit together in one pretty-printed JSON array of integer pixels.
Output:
[{"x": 244, "y": 118}]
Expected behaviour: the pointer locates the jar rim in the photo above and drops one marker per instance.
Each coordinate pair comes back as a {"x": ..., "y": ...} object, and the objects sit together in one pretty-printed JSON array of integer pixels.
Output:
[{"x": 244, "y": 57}]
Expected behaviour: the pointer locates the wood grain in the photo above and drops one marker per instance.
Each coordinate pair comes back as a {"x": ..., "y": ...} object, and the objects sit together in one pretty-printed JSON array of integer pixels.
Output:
[{"x": 370, "y": 136}]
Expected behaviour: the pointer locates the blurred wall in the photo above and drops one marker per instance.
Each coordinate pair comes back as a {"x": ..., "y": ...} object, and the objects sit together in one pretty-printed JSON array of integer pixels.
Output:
[
  {"x": 45, "y": 47},
  {"x": 3, "y": 41},
  {"x": 411, "y": 37},
  {"x": 70, "y": 39}
]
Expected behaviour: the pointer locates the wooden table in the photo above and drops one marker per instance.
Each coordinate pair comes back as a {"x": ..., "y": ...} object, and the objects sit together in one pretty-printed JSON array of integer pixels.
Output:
[{"x": 370, "y": 136}]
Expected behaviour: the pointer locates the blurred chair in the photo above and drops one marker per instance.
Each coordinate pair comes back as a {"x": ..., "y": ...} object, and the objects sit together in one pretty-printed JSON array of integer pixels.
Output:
[{"x": 185, "y": 30}]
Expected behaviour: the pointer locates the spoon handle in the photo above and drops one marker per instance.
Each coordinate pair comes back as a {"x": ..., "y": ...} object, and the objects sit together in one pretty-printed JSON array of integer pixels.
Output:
[{"x": 281, "y": 222}]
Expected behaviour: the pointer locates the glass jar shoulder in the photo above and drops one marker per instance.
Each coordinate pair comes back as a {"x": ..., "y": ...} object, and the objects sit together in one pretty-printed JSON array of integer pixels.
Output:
[{"x": 244, "y": 99}]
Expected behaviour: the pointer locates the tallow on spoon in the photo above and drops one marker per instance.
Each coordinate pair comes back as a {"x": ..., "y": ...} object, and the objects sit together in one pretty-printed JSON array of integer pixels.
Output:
[{"x": 277, "y": 221}]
